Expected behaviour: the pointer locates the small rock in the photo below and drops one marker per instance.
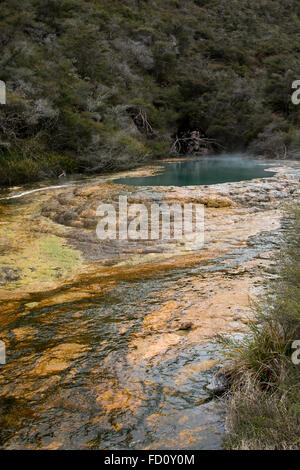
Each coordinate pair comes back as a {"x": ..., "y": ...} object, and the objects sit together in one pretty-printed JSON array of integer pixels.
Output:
[{"x": 186, "y": 326}]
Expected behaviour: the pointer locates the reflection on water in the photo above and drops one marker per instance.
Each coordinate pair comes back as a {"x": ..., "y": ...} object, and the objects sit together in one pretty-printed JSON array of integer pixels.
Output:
[{"x": 205, "y": 171}]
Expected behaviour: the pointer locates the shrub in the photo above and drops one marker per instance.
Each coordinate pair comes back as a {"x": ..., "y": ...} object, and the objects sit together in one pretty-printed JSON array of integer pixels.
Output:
[{"x": 263, "y": 406}]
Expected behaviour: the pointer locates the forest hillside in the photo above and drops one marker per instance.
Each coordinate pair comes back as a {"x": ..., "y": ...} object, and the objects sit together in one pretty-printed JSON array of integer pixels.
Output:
[{"x": 100, "y": 85}]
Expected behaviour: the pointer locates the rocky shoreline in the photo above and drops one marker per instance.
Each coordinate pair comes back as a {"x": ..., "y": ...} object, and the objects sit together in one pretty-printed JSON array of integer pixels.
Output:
[{"x": 65, "y": 219}]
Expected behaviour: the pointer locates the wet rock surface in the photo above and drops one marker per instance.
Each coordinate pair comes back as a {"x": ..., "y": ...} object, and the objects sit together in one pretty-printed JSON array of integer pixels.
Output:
[
  {"x": 219, "y": 384},
  {"x": 109, "y": 344}
]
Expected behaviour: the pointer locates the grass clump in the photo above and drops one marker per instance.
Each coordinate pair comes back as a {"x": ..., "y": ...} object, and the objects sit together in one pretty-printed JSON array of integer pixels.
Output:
[
  {"x": 82, "y": 75},
  {"x": 263, "y": 405}
]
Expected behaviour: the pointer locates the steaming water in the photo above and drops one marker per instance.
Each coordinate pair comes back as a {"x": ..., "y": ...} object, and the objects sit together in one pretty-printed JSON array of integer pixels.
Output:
[{"x": 205, "y": 171}]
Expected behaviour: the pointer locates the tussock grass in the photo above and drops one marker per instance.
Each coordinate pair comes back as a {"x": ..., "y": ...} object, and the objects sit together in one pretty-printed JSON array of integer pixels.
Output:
[{"x": 264, "y": 401}]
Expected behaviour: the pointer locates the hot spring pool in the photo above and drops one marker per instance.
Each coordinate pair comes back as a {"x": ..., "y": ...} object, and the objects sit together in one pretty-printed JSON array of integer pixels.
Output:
[{"x": 208, "y": 170}]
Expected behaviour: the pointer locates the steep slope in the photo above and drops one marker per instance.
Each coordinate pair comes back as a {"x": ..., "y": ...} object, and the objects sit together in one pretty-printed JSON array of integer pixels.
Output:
[{"x": 103, "y": 84}]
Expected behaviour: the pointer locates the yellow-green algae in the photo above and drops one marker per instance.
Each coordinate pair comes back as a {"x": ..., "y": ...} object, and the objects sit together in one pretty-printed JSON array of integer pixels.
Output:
[{"x": 43, "y": 259}]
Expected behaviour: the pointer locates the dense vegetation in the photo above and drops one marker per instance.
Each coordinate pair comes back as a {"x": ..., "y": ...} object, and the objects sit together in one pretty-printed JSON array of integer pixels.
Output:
[
  {"x": 98, "y": 85},
  {"x": 264, "y": 405}
]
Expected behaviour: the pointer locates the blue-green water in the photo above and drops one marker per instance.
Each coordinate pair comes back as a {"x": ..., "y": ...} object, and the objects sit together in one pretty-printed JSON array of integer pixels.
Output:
[{"x": 205, "y": 171}]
